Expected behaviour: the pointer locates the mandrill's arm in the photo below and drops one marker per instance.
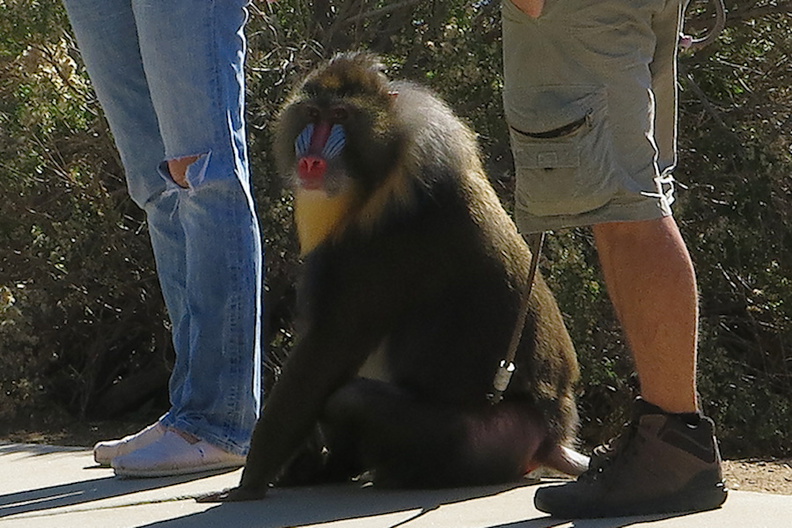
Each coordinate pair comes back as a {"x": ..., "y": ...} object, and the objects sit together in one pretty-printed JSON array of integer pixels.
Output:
[{"x": 330, "y": 353}]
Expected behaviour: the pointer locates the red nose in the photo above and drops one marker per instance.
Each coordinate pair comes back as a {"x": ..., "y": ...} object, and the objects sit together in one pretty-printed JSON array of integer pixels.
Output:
[{"x": 311, "y": 170}]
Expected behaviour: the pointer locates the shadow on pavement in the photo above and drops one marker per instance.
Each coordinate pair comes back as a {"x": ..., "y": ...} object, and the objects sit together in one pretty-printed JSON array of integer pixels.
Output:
[
  {"x": 82, "y": 492},
  {"x": 294, "y": 507},
  {"x": 618, "y": 522},
  {"x": 286, "y": 507}
]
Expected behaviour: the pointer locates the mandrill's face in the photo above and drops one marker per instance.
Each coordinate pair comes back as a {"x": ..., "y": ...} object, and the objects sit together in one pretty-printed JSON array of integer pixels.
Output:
[
  {"x": 339, "y": 131},
  {"x": 320, "y": 147}
]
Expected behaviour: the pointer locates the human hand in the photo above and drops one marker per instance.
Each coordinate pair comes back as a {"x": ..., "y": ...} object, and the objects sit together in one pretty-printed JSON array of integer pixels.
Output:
[{"x": 532, "y": 8}]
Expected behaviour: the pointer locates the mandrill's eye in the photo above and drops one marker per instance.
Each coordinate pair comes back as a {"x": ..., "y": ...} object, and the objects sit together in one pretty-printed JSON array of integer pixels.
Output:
[
  {"x": 313, "y": 113},
  {"x": 339, "y": 114}
]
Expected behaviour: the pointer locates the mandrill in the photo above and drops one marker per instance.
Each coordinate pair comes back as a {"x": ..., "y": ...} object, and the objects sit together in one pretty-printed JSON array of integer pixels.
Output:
[{"x": 410, "y": 292}]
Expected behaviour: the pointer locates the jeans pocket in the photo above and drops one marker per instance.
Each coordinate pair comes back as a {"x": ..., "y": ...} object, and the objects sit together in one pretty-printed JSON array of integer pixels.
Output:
[{"x": 563, "y": 151}]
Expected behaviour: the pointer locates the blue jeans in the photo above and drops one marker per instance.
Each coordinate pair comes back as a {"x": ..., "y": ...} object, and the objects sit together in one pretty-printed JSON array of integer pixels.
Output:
[{"x": 169, "y": 76}]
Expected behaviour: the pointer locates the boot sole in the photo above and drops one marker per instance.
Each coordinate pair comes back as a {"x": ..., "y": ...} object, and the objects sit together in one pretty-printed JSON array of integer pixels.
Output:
[{"x": 684, "y": 501}]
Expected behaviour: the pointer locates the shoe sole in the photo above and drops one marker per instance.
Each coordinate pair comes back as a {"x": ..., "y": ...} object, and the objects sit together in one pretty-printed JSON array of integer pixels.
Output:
[
  {"x": 169, "y": 472},
  {"x": 684, "y": 501}
]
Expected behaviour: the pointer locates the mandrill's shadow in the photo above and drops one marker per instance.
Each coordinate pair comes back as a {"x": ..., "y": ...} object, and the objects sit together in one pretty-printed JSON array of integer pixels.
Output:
[{"x": 309, "y": 506}]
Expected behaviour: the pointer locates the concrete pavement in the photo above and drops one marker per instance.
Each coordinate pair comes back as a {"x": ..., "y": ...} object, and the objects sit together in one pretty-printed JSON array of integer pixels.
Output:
[{"x": 45, "y": 486}]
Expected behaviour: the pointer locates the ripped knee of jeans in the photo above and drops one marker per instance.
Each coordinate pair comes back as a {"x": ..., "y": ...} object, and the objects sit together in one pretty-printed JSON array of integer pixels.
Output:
[{"x": 187, "y": 172}]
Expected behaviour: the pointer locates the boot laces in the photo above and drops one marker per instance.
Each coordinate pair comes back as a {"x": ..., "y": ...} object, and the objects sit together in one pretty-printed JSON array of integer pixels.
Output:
[{"x": 615, "y": 451}]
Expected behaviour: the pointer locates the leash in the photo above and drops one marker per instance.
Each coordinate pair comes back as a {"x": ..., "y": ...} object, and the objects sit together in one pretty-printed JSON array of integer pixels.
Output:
[
  {"x": 506, "y": 368},
  {"x": 693, "y": 44}
]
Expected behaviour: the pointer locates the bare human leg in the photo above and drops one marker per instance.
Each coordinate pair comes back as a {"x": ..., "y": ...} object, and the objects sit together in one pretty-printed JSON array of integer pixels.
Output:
[{"x": 652, "y": 285}]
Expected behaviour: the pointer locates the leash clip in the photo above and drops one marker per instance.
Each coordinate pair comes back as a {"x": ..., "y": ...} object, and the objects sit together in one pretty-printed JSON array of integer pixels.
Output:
[{"x": 501, "y": 381}]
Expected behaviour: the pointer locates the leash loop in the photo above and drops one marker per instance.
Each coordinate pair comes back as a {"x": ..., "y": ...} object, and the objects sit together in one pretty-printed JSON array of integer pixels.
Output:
[{"x": 691, "y": 43}]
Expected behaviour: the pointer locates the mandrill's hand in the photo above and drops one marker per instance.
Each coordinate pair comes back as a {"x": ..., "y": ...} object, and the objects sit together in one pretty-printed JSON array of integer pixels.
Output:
[{"x": 238, "y": 494}]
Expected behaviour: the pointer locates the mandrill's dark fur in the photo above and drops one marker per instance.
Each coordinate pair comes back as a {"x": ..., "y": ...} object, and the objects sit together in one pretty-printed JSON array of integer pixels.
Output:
[{"x": 411, "y": 264}]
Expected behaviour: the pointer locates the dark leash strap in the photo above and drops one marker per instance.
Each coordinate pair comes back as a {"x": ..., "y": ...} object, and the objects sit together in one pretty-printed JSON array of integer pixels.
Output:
[{"x": 506, "y": 368}]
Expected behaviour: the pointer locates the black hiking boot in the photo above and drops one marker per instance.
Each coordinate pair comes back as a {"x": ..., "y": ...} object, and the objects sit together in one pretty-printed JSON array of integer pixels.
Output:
[{"x": 663, "y": 463}]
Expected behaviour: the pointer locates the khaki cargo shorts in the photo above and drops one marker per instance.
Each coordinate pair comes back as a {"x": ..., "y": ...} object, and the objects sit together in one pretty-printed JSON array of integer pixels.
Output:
[{"x": 590, "y": 100}]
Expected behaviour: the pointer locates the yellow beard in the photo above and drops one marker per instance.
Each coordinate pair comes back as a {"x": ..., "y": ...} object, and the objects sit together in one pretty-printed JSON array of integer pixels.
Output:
[{"x": 318, "y": 216}]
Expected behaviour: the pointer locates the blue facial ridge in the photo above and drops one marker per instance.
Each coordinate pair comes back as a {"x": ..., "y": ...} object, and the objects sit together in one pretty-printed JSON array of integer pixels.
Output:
[{"x": 303, "y": 141}]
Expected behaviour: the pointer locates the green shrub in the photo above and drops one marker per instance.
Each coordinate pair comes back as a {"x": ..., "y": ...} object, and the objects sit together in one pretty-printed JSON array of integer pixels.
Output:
[{"x": 83, "y": 331}]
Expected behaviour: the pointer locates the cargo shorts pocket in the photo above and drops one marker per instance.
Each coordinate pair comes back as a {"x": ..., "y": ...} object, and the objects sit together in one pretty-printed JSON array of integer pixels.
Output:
[{"x": 563, "y": 152}]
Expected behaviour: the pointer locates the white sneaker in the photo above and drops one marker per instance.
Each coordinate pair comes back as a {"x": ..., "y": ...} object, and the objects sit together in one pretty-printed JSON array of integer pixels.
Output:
[
  {"x": 105, "y": 452},
  {"x": 173, "y": 454}
]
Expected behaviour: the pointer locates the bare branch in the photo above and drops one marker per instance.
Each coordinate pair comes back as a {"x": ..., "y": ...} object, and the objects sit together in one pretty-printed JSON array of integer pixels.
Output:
[{"x": 378, "y": 13}]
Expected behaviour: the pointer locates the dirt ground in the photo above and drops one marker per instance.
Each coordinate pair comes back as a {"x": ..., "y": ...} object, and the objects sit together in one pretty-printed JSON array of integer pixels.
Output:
[{"x": 766, "y": 476}]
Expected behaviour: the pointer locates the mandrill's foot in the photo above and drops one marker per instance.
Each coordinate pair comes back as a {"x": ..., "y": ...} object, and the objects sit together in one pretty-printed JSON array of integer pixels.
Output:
[
  {"x": 567, "y": 460},
  {"x": 238, "y": 494}
]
